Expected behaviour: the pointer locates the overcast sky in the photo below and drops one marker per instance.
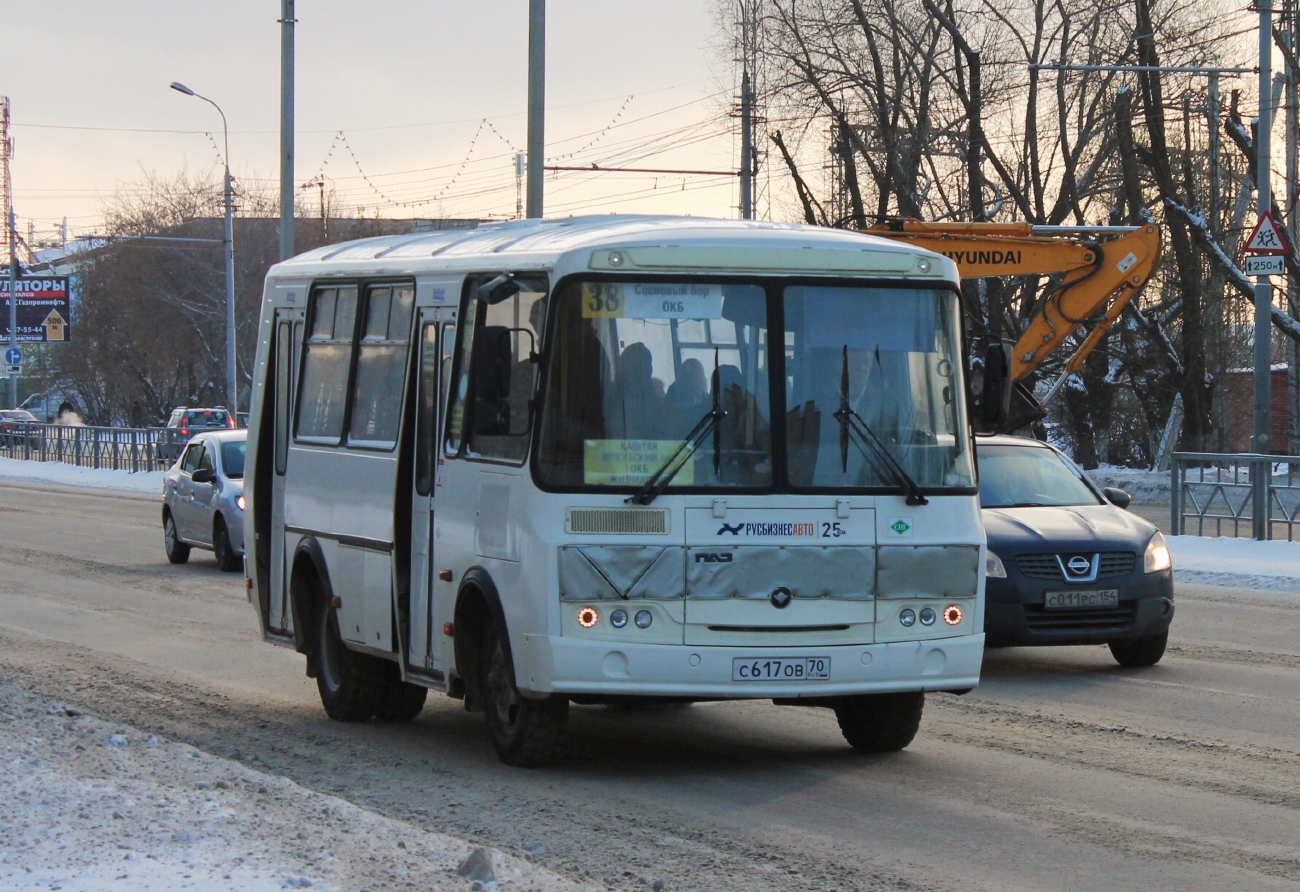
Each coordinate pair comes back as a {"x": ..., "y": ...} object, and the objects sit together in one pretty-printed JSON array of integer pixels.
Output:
[{"x": 407, "y": 83}]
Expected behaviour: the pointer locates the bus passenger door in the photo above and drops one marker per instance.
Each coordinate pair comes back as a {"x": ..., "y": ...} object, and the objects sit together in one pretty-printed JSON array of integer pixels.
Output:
[
  {"x": 287, "y": 353},
  {"x": 436, "y": 333}
]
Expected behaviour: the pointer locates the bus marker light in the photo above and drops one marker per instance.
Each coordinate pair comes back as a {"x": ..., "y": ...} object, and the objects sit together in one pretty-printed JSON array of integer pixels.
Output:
[
  {"x": 445, "y": 575},
  {"x": 928, "y": 616},
  {"x": 643, "y": 619},
  {"x": 448, "y": 629},
  {"x": 588, "y": 617},
  {"x": 952, "y": 614},
  {"x": 618, "y": 619}
]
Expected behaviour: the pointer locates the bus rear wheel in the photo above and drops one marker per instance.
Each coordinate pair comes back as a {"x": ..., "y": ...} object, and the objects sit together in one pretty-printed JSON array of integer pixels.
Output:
[
  {"x": 524, "y": 732},
  {"x": 351, "y": 684},
  {"x": 880, "y": 723}
]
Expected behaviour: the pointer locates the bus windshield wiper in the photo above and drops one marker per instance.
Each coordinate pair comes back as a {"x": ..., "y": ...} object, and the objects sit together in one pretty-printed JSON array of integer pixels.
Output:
[
  {"x": 869, "y": 443},
  {"x": 659, "y": 480}
]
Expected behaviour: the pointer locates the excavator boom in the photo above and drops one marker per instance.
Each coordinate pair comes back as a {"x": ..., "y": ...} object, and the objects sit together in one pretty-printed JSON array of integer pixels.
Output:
[{"x": 1101, "y": 270}]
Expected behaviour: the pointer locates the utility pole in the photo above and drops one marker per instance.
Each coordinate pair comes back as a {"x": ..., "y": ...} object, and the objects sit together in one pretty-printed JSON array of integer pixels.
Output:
[
  {"x": 1260, "y": 507},
  {"x": 7, "y": 145},
  {"x": 536, "y": 104},
  {"x": 287, "y": 22},
  {"x": 520, "y": 166},
  {"x": 1292, "y": 206},
  {"x": 746, "y": 148}
]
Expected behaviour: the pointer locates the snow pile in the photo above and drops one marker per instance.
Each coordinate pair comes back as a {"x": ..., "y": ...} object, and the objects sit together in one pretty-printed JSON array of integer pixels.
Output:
[
  {"x": 94, "y": 806},
  {"x": 150, "y": 482},
  {"x": 1240, "y": 563}
]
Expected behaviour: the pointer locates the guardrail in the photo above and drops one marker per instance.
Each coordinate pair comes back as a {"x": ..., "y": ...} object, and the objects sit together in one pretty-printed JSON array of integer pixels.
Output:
[
  {"x": 116, "y": 448},
  {"x": 1232, "y": 490}
]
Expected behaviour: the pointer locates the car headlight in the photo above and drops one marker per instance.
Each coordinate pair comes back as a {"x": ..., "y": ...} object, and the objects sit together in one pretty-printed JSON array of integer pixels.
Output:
[
  {"x": 1157, "y": 555},
  {"x": 239, "y": 501},
  {"x": 993, "y": 566}
]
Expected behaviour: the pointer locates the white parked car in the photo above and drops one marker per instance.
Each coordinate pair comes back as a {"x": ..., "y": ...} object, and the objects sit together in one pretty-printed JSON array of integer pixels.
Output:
[{"x": 203, "y": 499}]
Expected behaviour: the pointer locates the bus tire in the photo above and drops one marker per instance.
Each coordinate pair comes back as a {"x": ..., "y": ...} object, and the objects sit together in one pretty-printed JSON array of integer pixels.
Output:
[
  {"x": 1136, "y": 652},
  {"x": 524, "y": 732},
  {"x": 351, "y": 684},
  {"x": 401, "y": 701},
  {"x": 227, "y": 558},
  {"x": 177, "y": 551},
  {"x": 880, "y": 723}
]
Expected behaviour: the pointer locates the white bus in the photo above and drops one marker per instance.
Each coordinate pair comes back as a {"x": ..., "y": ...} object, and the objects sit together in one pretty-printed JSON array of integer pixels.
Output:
[{"x": 590, "y": 460}]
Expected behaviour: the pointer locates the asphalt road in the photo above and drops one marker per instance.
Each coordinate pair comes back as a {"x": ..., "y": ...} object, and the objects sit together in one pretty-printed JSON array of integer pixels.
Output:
[{"x": 1062, "y": 771}]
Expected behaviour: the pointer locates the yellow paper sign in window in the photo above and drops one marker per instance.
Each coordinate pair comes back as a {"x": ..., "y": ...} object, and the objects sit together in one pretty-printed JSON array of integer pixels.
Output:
[
  {"x": 602, "y": 300},
  {"x": 630, "y": 462}
]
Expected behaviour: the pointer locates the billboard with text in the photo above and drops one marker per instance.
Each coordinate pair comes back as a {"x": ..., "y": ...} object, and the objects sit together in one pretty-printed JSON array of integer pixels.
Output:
[{"x": 44, "y": 309}]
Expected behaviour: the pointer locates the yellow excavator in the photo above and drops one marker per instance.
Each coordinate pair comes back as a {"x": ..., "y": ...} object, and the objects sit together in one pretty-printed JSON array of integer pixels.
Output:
[{"x": 1096, "y": 271}]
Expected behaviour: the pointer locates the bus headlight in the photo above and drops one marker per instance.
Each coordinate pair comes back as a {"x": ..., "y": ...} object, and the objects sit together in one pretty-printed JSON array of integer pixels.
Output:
[
  {"x": 993, "y": 567},
  {"x": 952, "y": 614},
  {"x": 907, "y": 617},
  {"x": 1157, "y": 555},
  {"x": 239, "y": 502},
  {"x": 588, "y": 617},
  {"x": 618, "y": 619},
  {"x": 643, "y": 619},
  {"x": 928, "y": 616}
]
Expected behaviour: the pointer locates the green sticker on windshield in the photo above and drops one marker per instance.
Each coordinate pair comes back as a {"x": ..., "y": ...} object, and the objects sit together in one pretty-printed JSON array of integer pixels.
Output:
[{"x": 630, "y": 462}]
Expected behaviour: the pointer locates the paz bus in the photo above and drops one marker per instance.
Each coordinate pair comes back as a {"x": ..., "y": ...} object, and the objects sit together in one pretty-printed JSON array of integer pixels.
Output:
[{"x": 617, "y": 458}]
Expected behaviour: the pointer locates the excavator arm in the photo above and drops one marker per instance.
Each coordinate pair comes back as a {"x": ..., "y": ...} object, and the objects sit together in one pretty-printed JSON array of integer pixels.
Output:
[{"x": 1101, "y": 270}]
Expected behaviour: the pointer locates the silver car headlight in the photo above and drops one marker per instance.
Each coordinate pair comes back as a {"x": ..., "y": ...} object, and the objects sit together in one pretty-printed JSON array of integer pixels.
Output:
[
  {"x": 1157, "y": 556},
  {"x": 993, "y": 567}
]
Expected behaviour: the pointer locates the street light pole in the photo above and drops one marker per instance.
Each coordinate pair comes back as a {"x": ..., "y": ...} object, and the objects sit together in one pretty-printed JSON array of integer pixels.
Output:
[{"x": 232, "y": 396}]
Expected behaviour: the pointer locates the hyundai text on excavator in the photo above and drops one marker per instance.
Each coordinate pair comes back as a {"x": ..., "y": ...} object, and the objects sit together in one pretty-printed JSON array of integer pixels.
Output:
[{"x": 1097, "y": 271}]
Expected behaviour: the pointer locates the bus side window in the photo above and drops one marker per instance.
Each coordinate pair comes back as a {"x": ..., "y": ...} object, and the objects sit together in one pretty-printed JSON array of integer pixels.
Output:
[
  {"x": 381, "y": 365},
  {"x": 496, "y": 371},
  {"x": 326, "y": 363}
]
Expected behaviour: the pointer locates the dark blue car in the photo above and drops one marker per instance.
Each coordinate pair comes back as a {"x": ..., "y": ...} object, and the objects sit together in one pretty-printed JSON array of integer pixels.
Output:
[{"x": 1066, "y": 563}]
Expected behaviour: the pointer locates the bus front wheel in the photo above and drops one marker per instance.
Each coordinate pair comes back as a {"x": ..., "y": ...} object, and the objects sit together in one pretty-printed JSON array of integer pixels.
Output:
[
  {"x": 524, "y": 732},
  {"x": 880, "y": 723},
  {"x": 351, "y": 684}
]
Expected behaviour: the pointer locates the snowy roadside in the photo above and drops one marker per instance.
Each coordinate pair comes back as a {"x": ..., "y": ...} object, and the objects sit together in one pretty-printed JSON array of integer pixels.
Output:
[
  {"x": 61, "y": 474},
  {"x": 91, "y": 806}
]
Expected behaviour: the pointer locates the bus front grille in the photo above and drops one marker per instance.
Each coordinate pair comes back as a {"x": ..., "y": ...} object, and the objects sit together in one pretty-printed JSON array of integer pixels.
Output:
[{"x": 616, "y": 521}]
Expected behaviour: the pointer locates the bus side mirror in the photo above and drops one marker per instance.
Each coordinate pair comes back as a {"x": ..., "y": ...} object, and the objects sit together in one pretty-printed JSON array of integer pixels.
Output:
[{"x": 995, "y": 403}]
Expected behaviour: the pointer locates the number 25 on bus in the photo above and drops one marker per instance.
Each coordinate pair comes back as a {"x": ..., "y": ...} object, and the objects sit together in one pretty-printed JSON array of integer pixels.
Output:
[{"x": 548, "y": 463}]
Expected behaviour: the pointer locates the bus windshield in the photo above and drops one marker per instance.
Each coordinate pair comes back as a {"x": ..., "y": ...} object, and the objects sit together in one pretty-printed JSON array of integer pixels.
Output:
[{"x": 637, "y": 369}]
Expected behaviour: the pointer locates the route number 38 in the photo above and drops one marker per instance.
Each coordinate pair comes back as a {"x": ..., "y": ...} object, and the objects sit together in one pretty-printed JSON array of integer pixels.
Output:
[{"x": 602, "y": 300}]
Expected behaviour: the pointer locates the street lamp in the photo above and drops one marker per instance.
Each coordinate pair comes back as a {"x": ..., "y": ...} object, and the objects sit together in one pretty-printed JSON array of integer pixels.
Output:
[{"x": 228, "y": 243}]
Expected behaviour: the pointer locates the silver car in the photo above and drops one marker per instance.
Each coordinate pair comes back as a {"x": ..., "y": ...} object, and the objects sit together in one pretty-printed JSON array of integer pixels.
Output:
[{"x": 203, "y": 499}]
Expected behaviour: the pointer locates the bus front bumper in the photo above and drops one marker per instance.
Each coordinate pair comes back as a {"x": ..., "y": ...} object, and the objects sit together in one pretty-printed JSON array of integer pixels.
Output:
[{"x": 556, "y": 665}]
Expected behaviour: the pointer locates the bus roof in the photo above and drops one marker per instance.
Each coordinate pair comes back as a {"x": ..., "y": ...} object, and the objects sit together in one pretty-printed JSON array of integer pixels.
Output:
[{"x": 652, "y": 243}]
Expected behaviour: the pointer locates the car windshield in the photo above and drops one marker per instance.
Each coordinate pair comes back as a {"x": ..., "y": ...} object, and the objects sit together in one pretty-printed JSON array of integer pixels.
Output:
[
  {"x": 677, "y": 375},
  {"x": 1029, "y": 476},
  {"x": 232, "y": 459}
]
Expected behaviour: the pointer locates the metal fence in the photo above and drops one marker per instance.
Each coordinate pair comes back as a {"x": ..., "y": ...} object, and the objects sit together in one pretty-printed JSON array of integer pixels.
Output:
[
  {"x": 116, "y": 448},
  {"x": 1231, "y": 494}
]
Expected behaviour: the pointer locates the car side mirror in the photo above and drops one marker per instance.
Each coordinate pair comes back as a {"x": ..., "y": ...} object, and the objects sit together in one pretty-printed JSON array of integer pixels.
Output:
[
  {"x": 1117, "y": 497},
  {"x": 204, "y": 475}
]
